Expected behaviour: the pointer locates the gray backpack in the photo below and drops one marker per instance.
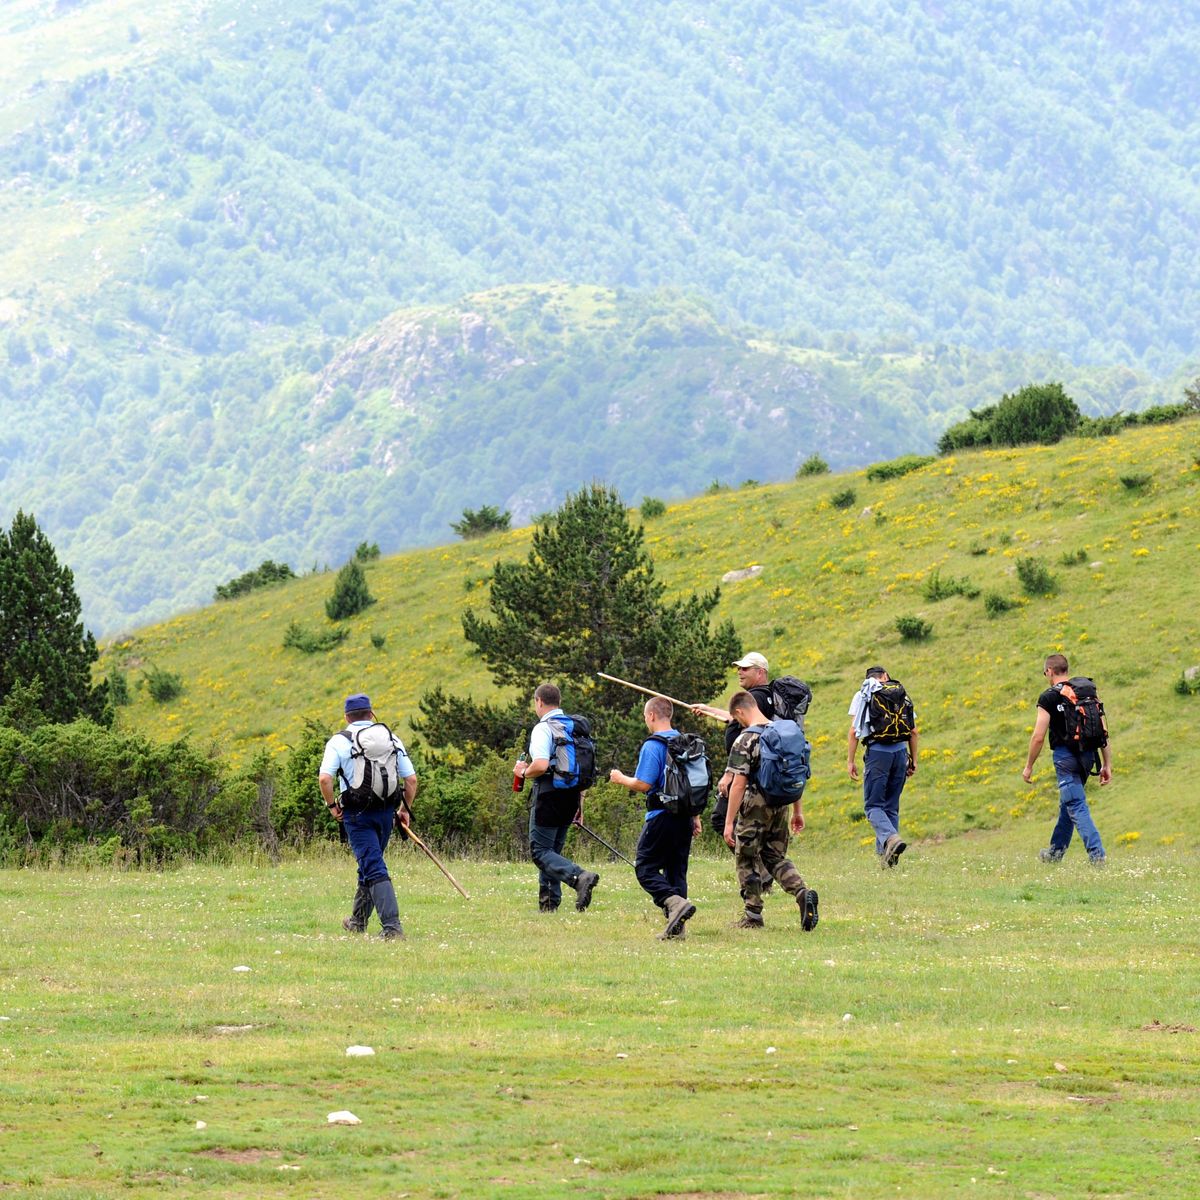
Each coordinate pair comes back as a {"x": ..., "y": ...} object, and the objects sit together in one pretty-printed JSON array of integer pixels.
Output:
[{"x": 374, "y": 778}]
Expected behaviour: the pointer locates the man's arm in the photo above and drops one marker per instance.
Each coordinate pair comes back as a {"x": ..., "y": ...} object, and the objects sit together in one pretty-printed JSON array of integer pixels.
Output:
[
  {"x": 326, "y": 783},
  {"x": 737, "y": 790},
  {"x": 1035, "y": 743},
  {"x": 632, "y": 782},
  {"x": 912, "y": 753},
  {"x": 708, "y": 710},
  {"x": 797, "y": 822},
  {"x": 532, "y": 770},
  {"x": 1105, "y": 764},
  {"x": 851, "y": 752}
]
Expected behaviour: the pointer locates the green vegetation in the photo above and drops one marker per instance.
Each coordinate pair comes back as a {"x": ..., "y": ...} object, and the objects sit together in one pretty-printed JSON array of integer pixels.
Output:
[
  {"x": 814, "y": 464},
  {"x": 936, "y": 588},
  {"x": 898, "y": 466},
  {"x": 1136, "y": 481},
  {"x": 481, "y": 521},
  {"x": 995, "y": 603},
  {"x": 651, "y": 508},
  {"x": 350, "y": 594},
  {"x": 308, "y": 641},
  {"x": 1035, "y": 576},
  {"x": 163, "y": 686},
  {"x": 1015, "y": 1086},
  {"x": 1073, "y": 558},
  {"x": 264, "y": 575},
  {"x": 913, "y": 629},
  {"x": 1037, "y": 413}
]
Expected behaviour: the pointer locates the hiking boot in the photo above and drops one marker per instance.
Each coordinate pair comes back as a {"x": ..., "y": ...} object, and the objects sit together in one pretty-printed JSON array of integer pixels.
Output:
[
  {"x": 1098, "y": 860},
  {"x": 750, "y": 920},
  {"x": 807, "y": 900},
  {"x": 583, "y": 889},
  {"x": 892, "y": 849},
  {"x": 547, "y": 906},
  {"x": 384, "y": 896},
  {"x": 360, "y": 912},
  {"x": 679, "y": 911},
  {"x": 1050, "y": 855}
]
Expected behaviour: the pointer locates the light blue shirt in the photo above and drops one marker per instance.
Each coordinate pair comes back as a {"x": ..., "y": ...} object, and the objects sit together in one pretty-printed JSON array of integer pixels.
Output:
[
  {"x": 336, "y": 760},
  {"x": 541, "y": 740}
]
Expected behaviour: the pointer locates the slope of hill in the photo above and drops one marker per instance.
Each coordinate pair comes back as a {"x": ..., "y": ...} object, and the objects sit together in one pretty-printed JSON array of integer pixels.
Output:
[{"x": 835, "y": 579}]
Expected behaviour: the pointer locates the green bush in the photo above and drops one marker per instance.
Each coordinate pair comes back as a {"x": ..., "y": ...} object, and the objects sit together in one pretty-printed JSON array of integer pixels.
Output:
[
  {"x": 481, "y": 521},
  {"x": 1187, "y": 687},
  {"x": 350, "y": 594},
  {"x": 814, "y": 464},
  {"x": 366, "y": 551},
  {"x": 898, "y": 466},
  {"x": 1035, "y": 576},
  {"x": 1073, "y": 558},
  {"x": 844, "y": 499},
  {"x": 163, "y": 686},
  {"x": 1136, "y": 481},
  {"x": 265, "y": 574},
  {"x": 977, "y": 548},
  {"x": 378, "y": 640},
  {"x": 299, "y": 637},
  {"x": 913, "y": 629},
  {"x": 651, "y": 508},
  {"x": 995, "y": 603},
  {"x": 118, "y": 687},
  {"x": 1041, "y": 413},
  {"x": 937, "y": 588}
]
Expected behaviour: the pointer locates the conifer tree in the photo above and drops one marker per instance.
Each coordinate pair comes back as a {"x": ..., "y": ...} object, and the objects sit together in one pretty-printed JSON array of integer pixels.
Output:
[
  {"x": 41, "y": 635},
  {"x": 350, "y": 593},
  {"x": 585, "y": 600}
]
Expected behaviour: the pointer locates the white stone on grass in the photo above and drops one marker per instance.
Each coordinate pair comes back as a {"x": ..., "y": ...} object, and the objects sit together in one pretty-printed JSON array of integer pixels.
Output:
[
  {"x": 343, "y": 1117},
  {"x": 359, "y": 1051},
  {"x": 201, "y": 1124},
  {"x": 241, "y": 968}
]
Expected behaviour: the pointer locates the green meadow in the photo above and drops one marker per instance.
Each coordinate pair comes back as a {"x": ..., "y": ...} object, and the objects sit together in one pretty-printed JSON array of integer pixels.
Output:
[{"x": 972, "y": 1023}]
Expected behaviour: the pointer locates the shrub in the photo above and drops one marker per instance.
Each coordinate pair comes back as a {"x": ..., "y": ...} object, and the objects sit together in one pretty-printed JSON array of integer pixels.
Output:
[
  {"x": 1035, "y": 576},
  {"x": 651, "y": 508},
  {"x": 937, "y": 588},
  {"x": 350, "y": 594},
  {"x": 751, "y": 483},
  {"x": 1037, "y": 413},
  {"x": 366, "y": 551},
  {"x": 898, "y": 466},
  {"x": 977, "y": 548},
  {"x": 478, "y": 522},
  {"x": 995, "y": 603},
  {"x": 378, "y": 640},
  {"x": 1136, "y": 481},
  {"x": 163, "y": 686},
  {"x": 298, "y": 637},
  {"x": 913, "y": 629},
  {"x": 1188, "y": 687},
  {"x": 265, "y": 574},
  {"x": 814, "y": 464},
  {"x": 844, "y": 499},
  {"x": 715, "y": 487},
  {"x": 1072, "y": 558},
  {"x": 118, "y": 687}
]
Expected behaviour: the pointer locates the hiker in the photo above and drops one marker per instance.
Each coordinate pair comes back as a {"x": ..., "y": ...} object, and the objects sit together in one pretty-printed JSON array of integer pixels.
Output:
[
  {"x": 1071, "y": 712},
  {"x": 753, "y": 677},
  {"x": 666, "y": 840},
  {"x": 756, "y": 825},
  {"x": 882, "y": 717},
  {"x": 558, "y": 786},
  {"x": 377, "y": 785}
]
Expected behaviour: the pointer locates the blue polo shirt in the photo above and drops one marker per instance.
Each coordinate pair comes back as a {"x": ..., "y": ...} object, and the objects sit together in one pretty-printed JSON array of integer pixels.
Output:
[
  {"x": 652, "y": 767},
  {"x": 336, "y": 760}
]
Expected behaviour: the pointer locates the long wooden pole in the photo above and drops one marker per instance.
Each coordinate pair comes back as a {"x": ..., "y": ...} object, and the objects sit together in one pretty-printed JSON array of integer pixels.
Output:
[
  {"x": 434, "y": 859},
  {"x": 638, "y": 688}
]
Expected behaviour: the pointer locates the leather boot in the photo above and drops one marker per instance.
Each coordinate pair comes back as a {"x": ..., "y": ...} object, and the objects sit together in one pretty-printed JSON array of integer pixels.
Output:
[
  {"x": 360, "y": 914},
  {"x": 384, "y": 896},
  {"x": 678, "y": 912}
]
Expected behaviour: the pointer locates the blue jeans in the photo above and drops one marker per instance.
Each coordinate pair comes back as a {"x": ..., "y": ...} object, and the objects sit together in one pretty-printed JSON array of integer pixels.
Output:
[
  {"x": 1073, "y": 811},
  {"x": 885, "y": 772},
  {"x": 368, "y": 833},
  {"x": 545, "y": 848}
]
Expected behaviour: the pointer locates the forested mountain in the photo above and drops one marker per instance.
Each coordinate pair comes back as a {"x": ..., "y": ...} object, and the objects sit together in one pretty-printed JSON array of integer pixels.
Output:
[{"x": 207, "y": 206}]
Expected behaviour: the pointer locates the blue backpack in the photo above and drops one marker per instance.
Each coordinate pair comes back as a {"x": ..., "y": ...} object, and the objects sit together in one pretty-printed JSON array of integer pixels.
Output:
[
  {"x": 783, "y": 762},
  {"x": 573, "y": 755}
]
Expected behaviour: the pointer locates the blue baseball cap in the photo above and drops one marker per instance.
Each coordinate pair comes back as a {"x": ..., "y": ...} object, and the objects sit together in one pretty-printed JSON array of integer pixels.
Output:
[{"x": 359, "y": 701}]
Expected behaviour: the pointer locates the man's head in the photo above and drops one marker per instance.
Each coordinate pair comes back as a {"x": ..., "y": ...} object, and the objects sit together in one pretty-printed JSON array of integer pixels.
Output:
[
  {"x": 657, "y": 713},
  {"x": 358, "y": 708},
  {"x": 1056, "y": 666},
  {"x": 752, "y": 669},
  {"x": 743, "y": 708},
  {"x": 877, "y": 673},
  {"x": 546, "y": 698}
]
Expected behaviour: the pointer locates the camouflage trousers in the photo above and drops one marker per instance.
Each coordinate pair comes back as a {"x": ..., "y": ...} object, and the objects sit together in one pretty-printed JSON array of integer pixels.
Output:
[{"x": 761, "y": 834}]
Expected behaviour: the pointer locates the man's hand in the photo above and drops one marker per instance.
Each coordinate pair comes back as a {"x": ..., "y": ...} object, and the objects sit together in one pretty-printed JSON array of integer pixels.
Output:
[
  {"x": 335, "y": 811},
  {"x": 707, "y": 710},
  {"x": 1027, "y": 774},
  {"x": 730, "y": 840},
  {"x": 852, "y": 767},
  {"x": 797, "y": 822},
  {"x": 578, "y": 818},
  {"x": 1105, "y": 775},
  {"x": 401, "y": 821},
  {"x": 696, "y": 827},
  {"x": 519, "y": 768},
  {"x": 912, "y": 769}
]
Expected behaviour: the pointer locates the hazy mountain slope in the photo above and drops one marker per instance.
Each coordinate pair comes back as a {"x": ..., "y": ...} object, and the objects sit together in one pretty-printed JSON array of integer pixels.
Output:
[{"x": 833, "y": 583}]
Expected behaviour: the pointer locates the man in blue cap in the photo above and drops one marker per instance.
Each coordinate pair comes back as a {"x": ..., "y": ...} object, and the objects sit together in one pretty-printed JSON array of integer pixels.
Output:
[{"x": 377, "y": 785}]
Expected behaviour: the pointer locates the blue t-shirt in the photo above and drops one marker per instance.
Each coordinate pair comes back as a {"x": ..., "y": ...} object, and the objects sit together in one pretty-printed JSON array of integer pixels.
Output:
[{"x": 652, "y": 767}]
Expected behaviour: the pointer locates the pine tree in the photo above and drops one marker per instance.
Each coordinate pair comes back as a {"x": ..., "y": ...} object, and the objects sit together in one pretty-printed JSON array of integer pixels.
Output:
[
  {"x": 350, "y": 594},
  {"x": 585, "y": 600},
  {"x": 41, "y": 635}
]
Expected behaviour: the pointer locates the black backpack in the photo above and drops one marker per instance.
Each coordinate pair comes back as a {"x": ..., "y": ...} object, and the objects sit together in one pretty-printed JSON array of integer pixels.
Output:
[
  {"x": 790, "y": 698},
  {"x": 687, "y": 774},
  {"x": 890, "y": 714},
  {"x": 1087, "y": 726},
  {"x": 573, "y": 755}
]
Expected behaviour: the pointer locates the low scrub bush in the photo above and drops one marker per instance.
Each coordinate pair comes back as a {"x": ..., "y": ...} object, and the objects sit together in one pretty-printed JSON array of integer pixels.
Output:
[
  {"x": 844, "y": 499},
  {"x": 651, "y": 508},
  {"x": 350, "y": 593},
  {"x": 936, "y": 588},
  {"x": 1035, "y": 576},
  {"x": 264, "y": 575},
  {"x": 1136, "y": 481},
  {"x": 899, "y": 466},
  {"x": 814, "y": 464},
  {"x": 481, "y": 521},
  {"x": 366, "y": 551},
  {"x": 1188, "y": 687},
  {"x": 913, "y": 629},
  {"x": 1039, "y": 413},
  {"x": 1073, "y": 558},
  {"x": 995, "y": 603},
  {"x": 299, "y": 637},
  {"x": 163, "y": 686}
]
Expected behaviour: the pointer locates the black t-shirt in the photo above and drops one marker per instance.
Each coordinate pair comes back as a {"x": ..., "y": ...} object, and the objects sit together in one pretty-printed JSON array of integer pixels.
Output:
[
  {"x": 1052, "y": 701},
  {"x": 762, "y": 694}
]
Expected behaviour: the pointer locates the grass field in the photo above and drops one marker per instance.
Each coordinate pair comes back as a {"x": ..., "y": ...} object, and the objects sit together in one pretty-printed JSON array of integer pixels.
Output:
[{"x": 972, "y": 1023}]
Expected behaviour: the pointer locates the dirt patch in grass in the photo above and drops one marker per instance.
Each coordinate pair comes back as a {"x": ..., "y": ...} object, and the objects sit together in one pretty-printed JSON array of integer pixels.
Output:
[
  {"x": 240, "y": 1156},
  {"x": 1157, "y": 1026}
]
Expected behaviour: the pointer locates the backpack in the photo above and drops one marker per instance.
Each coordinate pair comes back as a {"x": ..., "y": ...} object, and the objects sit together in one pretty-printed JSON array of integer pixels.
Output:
[
  {"x": 890, "y": 714},
  {"x": 687, "y": 774},
  {"x": 790, "y": 698},
  {"x": 374, "y": 779},
  {"x": 1087, "y": 726},
  {"x": 784, "y": 765},
  {"x": 573, "y": 755}
]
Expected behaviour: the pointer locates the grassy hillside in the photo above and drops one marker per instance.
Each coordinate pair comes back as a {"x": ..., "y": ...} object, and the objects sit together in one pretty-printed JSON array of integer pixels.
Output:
[{"x": 834, "y": 581}]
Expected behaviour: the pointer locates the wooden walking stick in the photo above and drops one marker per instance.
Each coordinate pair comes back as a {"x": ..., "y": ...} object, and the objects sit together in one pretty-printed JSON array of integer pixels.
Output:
[
  {"x": 434, "y": 859},
  {"x": 638, "y": 688}
]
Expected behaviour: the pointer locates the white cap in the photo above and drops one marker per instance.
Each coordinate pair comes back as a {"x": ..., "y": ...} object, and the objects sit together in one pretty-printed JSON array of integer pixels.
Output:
[{"x": 753, "y": 659}]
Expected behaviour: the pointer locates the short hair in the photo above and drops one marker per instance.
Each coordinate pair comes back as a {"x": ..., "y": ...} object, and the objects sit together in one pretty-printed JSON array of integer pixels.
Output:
[
  {"x": 548, "y": 693},
  {"x": 740, "y": 701},
  {"x": 875, "y": 672},
  {"x": 358, "y": 714},
  {"x": 660, "y": 708},
  {"x": 1057, "y": 663}
]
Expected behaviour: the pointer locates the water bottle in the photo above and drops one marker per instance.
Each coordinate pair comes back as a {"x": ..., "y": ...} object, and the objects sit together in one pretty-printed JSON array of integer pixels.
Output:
[{"x": 519, "y": 777}]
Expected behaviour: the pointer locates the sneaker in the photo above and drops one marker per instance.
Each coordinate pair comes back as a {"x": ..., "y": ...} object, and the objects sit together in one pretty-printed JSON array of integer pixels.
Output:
[
  {"x": 749, "y": 921},
  {"x": 892, "y": 849},
  {"x": 807, "y": 900},
  {"x": 678, "y": 911},
  {"x": 1050, "y": 855},
  {"x": 583, "y": 889}
]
